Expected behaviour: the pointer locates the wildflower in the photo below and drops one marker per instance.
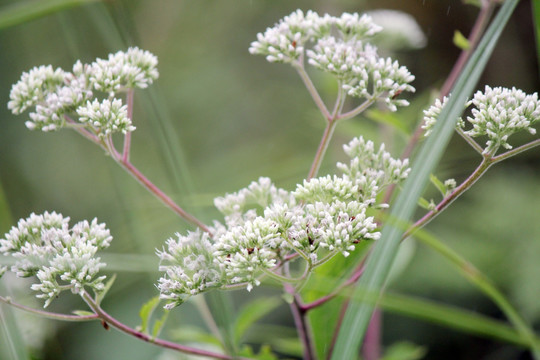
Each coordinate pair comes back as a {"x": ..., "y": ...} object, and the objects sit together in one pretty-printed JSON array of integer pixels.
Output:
[
  {"x": 61, "y": 258},
  {"x": 106, "y": 117}
]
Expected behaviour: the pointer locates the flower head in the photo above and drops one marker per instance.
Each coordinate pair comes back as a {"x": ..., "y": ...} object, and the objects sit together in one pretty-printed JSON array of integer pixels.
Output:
[
  {"x": 60, "y": 257},
  {"x": 106, "y": 117}
]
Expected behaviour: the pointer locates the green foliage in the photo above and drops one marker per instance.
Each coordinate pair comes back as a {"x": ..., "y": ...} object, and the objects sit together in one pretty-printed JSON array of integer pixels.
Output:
[
  {"x": 24, "y": 11},
  {"x": 461, "y": 41},
  {"x": 378, "y": 266}
]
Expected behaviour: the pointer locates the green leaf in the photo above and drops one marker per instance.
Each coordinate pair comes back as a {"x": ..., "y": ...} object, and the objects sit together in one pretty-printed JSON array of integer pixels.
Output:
[
  {"x": 461, "y": 41},
  {"x": 101, "y": 295},
  {"x": 82, "y": 313},
  {"x": 146, "y": 313},
  {"x": 404, "y": 351},
  {"x": 438, "y": 184},
  {"x": 252, "y": 312},
  {"x": 23, "y": 11},
  {"x": 288, "y": 298},
  {"x": 378, "y": 265},
  {"x": 428, "y": 205}
]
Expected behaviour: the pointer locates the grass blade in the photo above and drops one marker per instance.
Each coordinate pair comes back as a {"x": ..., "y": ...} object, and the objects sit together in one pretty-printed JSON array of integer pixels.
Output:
[
  {"x": 379, "y": 263},
  {"x": 24, "y": 11}
]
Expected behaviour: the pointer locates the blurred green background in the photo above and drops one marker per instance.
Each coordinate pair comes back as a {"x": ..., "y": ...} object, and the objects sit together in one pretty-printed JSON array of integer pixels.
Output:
[{"x": 218, "y": 118}]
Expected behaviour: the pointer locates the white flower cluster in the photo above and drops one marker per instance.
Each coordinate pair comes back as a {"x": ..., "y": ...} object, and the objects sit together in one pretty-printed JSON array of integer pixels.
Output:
[
  {"x": 60, "y": 257},
  {"x": 107, "y": 116},
  {"x": 496, "y": 113},
  {"x": 342, "y": 52},
  {"x": 56, "y": 93},
  {"x": 264, "y": 224}
]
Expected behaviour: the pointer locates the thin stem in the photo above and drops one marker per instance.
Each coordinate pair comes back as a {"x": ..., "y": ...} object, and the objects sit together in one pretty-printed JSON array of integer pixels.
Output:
[
  {"x": 470, "y": 140},
  {"x": 110, "y": 320},
  {"x": 351, "y": 280},
  {"x": 458, "y": 191},
  {"x": 516, "y": 151},
  {"x": 340, "y": 100},
  {"x": 312, "y": 90},
  {"x": 479, "y": 26},
  {"x": 300, "y": 322},
  {"x": 124, "y": 162},
  {"x": 150, "y": 186},
  {"x": 127, "y": 136},
  {"x": 357, "y": 110},
  {"x": 372, "y": 347},
  {"x": 47, "y": 314},
  {"x": 323, "y": 145},
  {"x": 476, "y": 33},
  {"x": 281, "y": 278}
]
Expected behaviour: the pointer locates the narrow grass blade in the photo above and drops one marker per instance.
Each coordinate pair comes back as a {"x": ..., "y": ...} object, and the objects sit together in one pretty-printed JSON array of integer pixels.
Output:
[
  {"x": 358, "y": 314},
  {"x": 24, "y": 11}
]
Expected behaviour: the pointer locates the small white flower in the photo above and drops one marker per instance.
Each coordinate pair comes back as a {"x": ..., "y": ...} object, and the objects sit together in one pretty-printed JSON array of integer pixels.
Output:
[
  {"x": 106, "y": 117},
  {"x": 356, "y": 26},
  {"x": 33, "y": 86},
  {"x": 61, "y": 258},
  {"x": 500, "y": 112},
  {"x": 124, "y": 70}
]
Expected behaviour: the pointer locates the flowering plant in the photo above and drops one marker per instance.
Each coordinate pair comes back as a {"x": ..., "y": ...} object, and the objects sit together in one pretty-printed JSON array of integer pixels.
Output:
[{"x": 267, "y": 234}]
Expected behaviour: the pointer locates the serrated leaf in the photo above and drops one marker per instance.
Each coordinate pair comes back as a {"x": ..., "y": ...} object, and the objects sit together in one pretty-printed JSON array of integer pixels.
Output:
[
  {"x": 82, "y": 313},
  {"x": 146, "y": 313},
  {"x": 252, "y": 312},
  {"x": 461, "y": 41},
  {"x": 101, "y": 295},
  {"x": 438, "y": 184}
]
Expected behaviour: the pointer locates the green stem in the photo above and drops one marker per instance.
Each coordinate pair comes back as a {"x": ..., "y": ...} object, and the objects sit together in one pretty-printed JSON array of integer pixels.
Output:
[
  {"x": 358, "y": 110},
  {"x": 312, "y": 90},
  {"x": 458, "y": 191}
]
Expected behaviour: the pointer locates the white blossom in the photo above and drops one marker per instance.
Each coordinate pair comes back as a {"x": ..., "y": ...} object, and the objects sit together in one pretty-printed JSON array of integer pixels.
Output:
[
  {"x": 285, "y": 42},
  {"x": 500, "y": 112},
  {"x": 356, "y": 26},
  {"x": 60, "y": 257},
  {"x": 189, "y": 266},
  {"x": 496, "y": 113},
  {"x": 33, "y": 86},
  {"x": 124, "y": 70},
  {"x": 263, "y": 224},
  {"x": 106, "y": 117}
]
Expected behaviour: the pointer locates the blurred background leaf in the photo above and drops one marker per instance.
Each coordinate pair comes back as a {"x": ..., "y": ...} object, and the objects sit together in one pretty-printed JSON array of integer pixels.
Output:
[{"x": 218, "y": 118}]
